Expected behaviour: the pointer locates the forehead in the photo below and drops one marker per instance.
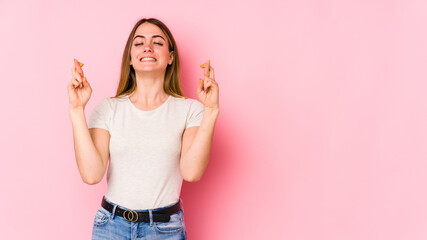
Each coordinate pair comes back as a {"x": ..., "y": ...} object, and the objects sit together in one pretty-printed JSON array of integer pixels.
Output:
[{"x": 147, "y": 29}]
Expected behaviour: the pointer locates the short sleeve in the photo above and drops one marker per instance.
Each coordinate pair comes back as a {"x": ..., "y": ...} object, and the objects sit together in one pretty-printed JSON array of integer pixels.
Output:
[
  {"x": 101, "y": 115},
  {"x": 195, "y": 115}
]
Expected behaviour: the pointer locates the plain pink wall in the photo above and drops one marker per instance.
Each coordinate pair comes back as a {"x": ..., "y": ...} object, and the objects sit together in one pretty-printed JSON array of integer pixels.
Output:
[{"x": 322, "y": 132}]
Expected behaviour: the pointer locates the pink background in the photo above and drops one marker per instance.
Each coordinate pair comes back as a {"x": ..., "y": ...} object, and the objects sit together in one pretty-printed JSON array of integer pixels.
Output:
[{"x": 322, "y": 132}]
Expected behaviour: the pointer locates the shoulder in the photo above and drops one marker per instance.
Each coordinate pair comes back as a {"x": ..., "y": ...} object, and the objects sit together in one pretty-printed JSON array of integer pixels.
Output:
[
  {"x": 185, "y": 101},
  {"x": 107, "y": 105},
  {"x": 187, "y": 106},
  {"x": 112, "y": 102}
]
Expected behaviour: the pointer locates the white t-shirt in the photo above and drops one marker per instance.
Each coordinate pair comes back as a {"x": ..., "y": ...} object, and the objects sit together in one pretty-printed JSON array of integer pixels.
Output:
[{"x": 145, "y": 149}]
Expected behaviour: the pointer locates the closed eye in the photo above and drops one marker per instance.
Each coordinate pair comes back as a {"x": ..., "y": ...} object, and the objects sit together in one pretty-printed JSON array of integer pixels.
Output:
[{"x": 161, "y": 44}]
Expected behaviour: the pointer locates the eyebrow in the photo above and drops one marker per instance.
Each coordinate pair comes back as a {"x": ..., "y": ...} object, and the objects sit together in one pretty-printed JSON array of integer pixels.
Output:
[{"x": 154, "y": 36}]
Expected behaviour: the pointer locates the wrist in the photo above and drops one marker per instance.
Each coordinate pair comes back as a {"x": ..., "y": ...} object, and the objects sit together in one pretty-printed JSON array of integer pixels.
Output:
[
  {"x": 212, "y": 111},
  {"x": 76, "y": 109}
]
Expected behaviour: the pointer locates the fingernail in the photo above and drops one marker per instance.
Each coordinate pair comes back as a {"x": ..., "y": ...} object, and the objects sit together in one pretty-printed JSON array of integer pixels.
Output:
[
  {"x": 81, "y": 64},
  {"x": 85, "y": 79},
  {"x": 202, "y": 65},
  {"x": 74, "y": 60},
  {"x": 200, "y": 80},
  {"x": 209, "y": 62}
]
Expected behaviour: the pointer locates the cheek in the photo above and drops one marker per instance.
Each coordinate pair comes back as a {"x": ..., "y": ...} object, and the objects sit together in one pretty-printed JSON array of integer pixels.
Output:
[
  {"x": 133, "y": 51},
  {"x": 166, "y": 56}
]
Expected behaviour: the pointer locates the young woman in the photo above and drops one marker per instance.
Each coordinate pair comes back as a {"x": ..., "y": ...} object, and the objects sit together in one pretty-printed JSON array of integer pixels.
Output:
[{"x": 152, "y": 136}]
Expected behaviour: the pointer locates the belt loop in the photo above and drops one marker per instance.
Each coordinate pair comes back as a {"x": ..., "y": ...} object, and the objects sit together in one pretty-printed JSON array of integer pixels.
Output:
[
  {"x": 114, "y": 211},
  {"x": 182, "y": 205},
  {"x": 151, "y": 216}
]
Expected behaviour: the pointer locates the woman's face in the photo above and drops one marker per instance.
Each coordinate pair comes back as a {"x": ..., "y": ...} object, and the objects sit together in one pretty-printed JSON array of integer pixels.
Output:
[{"x": 149, "y": 52}]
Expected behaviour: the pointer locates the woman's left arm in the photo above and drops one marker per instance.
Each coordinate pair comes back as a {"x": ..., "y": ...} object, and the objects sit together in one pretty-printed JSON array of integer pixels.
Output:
[{"x": 197, "y": 141}]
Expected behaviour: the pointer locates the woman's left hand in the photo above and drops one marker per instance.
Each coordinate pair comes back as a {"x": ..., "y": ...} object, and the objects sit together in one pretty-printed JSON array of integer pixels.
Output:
[{"x": 208, "y": 88}]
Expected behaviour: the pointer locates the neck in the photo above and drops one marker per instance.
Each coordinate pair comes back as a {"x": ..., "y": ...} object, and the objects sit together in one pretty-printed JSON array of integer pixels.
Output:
[{"x": 149, "y": 88}]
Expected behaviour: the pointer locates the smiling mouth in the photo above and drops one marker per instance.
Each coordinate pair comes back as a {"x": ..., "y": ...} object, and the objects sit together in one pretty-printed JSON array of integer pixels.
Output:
[{"x": 148, "y": 59}]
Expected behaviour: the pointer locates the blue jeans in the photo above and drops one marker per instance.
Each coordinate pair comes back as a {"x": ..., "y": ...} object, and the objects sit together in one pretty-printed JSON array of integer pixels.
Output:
[{"x": 108, "y": 226}]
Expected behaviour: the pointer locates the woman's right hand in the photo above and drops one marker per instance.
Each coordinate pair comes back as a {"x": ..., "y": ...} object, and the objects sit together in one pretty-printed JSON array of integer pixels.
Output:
[{"x": 79, "y": 90}]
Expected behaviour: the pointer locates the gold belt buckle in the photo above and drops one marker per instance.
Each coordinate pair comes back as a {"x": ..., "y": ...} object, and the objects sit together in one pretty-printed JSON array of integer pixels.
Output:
[{"x": 133, "y": 214}]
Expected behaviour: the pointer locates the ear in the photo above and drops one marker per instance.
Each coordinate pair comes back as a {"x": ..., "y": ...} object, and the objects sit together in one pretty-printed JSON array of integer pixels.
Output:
[{"x": 170, "y": 58}]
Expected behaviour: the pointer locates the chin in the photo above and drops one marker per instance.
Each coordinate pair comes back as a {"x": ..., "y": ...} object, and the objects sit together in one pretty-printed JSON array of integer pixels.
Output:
[{"x": 150, "y": 70}]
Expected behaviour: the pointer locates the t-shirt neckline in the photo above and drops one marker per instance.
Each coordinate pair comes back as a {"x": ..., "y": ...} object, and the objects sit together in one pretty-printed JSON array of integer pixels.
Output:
[{"x": 147, "y": 111}]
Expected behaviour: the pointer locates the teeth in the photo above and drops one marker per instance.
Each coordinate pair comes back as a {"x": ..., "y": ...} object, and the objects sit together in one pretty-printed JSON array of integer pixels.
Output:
[{"x": 148, "y": 59}]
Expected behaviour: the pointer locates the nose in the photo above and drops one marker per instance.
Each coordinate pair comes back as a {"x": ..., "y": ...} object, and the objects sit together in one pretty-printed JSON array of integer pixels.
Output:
[{"x": 148, "y": 47}]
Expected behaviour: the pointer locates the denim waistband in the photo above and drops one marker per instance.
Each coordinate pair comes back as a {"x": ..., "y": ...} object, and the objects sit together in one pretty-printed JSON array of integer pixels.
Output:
[{"x": 145, "y": 210}]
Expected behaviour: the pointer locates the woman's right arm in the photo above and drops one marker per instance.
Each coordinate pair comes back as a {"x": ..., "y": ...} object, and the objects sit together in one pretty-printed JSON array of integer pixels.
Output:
[{"x": 91, "y": 147}]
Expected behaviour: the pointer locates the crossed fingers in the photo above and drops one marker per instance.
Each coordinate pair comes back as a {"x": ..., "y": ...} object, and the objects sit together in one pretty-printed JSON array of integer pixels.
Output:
[{"x": 209, "y": 74}]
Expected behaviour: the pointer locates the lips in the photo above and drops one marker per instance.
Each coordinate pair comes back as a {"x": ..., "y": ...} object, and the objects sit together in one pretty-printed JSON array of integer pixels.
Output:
[{"x": 147, "y": 58}]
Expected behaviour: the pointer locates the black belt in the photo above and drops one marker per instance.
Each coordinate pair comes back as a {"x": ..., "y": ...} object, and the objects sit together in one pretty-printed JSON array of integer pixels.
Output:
[{"x": 162, "y": 215}]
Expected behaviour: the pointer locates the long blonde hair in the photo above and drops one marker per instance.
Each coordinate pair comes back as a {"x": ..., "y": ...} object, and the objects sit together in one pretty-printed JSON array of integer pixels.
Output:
[{"x": 171, "y": 85}]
